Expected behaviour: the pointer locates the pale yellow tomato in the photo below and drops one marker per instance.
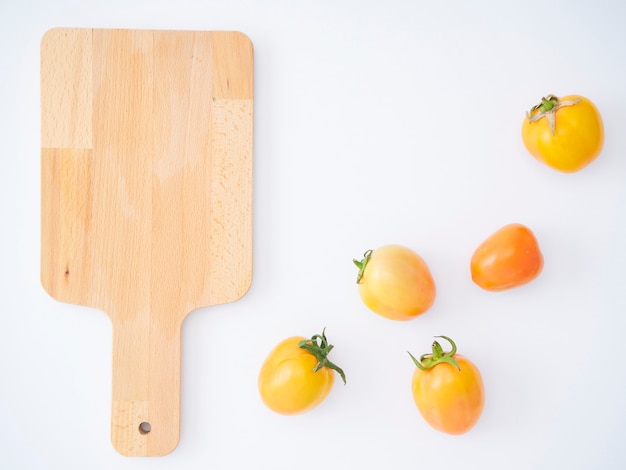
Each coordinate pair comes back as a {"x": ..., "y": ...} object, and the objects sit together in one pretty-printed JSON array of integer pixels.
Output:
[
  {"x": 448, "y": 390},
  {"x": 395, "y": 282}
]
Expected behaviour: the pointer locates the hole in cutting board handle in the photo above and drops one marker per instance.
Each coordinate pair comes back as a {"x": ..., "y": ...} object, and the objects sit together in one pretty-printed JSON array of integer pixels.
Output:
[{"x": 145, "y": 428}]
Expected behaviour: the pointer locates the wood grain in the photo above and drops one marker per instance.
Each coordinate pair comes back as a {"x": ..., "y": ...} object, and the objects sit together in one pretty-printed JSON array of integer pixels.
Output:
[{"x": 146, "y": 198}]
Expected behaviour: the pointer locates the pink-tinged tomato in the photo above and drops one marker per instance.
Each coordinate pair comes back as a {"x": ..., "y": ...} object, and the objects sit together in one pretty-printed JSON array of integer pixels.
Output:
[
  {"x": 395, "y": 282},
  {"x": 448, "y": 390}
]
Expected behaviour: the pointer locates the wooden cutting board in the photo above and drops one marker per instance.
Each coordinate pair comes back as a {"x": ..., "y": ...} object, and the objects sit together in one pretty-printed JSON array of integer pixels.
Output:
[{"x": 146, "y": 199}]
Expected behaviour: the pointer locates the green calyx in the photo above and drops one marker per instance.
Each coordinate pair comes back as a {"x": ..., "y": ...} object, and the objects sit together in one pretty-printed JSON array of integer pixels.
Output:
[
  {"x": 428, "y": 361},
  {"x": 547, "y": 108},
  {"x": 362, "y": 264},
  {"x": 547, "y": 103},
  {"x": 319, "y": 347}
]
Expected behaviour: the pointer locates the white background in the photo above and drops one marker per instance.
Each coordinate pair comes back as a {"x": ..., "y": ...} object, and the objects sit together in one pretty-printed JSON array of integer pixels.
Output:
[{"x": 375, "y": 123}]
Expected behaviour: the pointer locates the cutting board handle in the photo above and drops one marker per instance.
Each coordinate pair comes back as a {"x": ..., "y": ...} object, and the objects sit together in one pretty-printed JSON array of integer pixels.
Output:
[{"x": 145, "y": 418}]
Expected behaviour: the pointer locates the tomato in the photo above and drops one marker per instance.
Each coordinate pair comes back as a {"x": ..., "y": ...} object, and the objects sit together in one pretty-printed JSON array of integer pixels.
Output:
[
  {"x": 448, "y": 390},
  {"x": 297, "y": 376},
  {"x": 395, "y": 282},
  {"x": 564, "y": 133},
  {"x": 509, "y": 258}
]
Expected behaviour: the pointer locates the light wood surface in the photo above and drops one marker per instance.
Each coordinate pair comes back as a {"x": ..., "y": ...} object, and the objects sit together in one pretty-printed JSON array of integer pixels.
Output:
[{"x": 146, "y": 198}]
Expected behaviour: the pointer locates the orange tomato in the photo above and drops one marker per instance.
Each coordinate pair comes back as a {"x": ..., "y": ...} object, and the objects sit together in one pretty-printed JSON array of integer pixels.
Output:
[
  {"x": 509, "y": 258},
  {"x": 395, "y": 282},
  {"x": 448, "y": 390},
  {"x": 297, "y": 376},
  {"x": 564, "y": 133}
]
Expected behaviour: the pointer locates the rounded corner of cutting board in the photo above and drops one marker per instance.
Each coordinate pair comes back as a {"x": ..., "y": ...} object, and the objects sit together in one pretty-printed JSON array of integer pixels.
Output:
[
  {"x": 45, "y": 286},
  {"x": 50, "y": 34},
  {"x": 49, "y": 287},
  {"x": 54, "y": 34},
  {"x": 244, "y": 38},
  {"x": 245, "y": 288}
]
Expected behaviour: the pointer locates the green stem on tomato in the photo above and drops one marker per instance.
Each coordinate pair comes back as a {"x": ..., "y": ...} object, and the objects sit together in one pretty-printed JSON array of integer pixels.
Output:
[
  {"x": 362, "y": 264},
  {"x": 547, "y": 103},
  {"x": 319, "y": 347},
  {"x": 547, "y": 108},
  {"x": 438, "y": 356}
]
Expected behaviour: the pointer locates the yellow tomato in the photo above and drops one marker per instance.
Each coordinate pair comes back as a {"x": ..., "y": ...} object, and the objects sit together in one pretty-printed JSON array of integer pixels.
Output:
[
  {"x": 564, "y": 133},
  {"x": 395, "y": 282},
  {"x": 448, "y": 390},
  {"x": 297, "y": 375}
]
